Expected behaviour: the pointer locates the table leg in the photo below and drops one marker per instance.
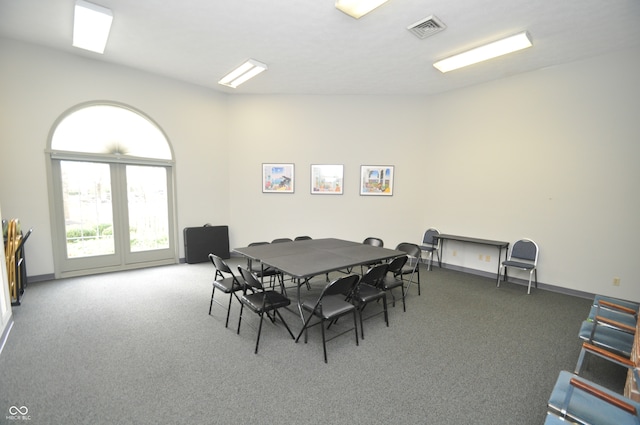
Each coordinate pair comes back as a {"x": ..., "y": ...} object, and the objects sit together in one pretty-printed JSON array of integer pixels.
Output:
[{"x": 300, "y": 302}]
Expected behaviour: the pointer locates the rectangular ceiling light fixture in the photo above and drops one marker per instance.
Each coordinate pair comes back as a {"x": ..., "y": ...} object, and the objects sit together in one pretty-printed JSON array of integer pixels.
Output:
[
  {"x": 91, "y": 26},
  {"x": 358, "y": 8},
  {"x": 486, "y": 52},
  {"x": 247, "y": 70}
]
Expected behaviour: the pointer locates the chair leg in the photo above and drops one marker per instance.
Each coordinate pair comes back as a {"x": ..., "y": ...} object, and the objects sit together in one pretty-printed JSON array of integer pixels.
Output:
[
  {"x": 404, "y": 305},
  {"x": 226, "y": 325},
  {"x": 259, "y": 332},
  {"x": 361, "y": 324},
  {"x": 324, "y": 342},
  {"x": 580, "y": 361},
  {"x": 305, "y": 329},
  {"x": 386, "y": 314},
  {"x": 355, "y": 326},
  {"x": 211, "y": 303},
  {"x": 529, "y": 288},
  {"x": 284, "y": 323},
  {"x": 240, "y": 317}
]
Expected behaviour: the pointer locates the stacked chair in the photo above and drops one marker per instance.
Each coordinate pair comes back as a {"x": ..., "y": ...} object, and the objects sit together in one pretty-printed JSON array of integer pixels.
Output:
[{"x": 608, "y": 333}]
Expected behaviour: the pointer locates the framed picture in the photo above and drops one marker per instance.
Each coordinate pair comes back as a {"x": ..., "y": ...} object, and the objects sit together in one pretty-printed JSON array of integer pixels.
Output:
[
  {"x": 277, "y": 178},
  {"x": 376, "y": 180},
  {"x": 327, "y": 179}
]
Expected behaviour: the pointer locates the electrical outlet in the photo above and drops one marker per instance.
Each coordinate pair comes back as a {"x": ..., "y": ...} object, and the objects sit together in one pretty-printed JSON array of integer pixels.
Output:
[
  {"x": 480, "y": 257},
  {"x": 616, "y": 281},
  {"x": 455, "y": 252},
  {"x": 487, "y": 258}
]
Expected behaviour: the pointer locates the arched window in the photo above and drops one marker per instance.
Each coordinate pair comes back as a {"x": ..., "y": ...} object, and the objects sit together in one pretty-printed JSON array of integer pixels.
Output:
[{"x": 112, "y": 192}]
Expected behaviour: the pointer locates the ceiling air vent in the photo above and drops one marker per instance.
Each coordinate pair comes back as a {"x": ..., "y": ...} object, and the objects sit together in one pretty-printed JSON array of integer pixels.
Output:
[{"x": 427, "y": 27}]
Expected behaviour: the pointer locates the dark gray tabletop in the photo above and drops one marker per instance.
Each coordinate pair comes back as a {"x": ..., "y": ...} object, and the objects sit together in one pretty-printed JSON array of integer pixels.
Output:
[{"x": 303, "y": 259}]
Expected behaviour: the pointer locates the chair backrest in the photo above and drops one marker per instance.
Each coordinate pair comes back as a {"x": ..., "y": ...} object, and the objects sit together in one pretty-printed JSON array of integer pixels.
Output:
[
  {"x": 281, "y": 240},
  {"x": 340, "y": 286},
  {"x": 375, "y": 274},
  {"x": 250, "y": 280},
  {"x": 427, "y": 239},
  {"x": 374, "y": 242},
  {"x": 302, "y": 238},
  {"x": 258, "y": 243},
  {"x": 525, "y": 249},
  {"x": 397, "y": 264},
  {"x": 410, "y": 249},
  {"x": 219, "y": 264}
]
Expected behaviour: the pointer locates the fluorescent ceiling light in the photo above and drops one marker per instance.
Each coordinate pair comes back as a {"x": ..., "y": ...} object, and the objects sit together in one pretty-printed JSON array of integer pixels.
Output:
[
  {"x": 247, "y": 70},
  {"x": 358, "y": 8},
  {"x": 483, "y": 53},
  {"x": 91, "y": 25}
]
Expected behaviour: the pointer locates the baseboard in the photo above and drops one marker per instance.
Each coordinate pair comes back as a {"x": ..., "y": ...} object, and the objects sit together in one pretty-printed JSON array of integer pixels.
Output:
[
  {"x": 5, "y": 334},
  {"x": 518, "y": 281},
  {"x": 40, "y": 278}
]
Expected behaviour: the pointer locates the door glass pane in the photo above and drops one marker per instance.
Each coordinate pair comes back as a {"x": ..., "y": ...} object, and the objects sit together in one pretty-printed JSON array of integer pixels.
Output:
[
  {"x": 148, "y": 208},
  {"x": 88, "y": 214}
]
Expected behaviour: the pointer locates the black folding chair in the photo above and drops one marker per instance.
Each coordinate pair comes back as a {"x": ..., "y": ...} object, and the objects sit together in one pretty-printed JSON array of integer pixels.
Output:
[
  {"x": 261, "y": 302},
  {"x": 226, "y": 282},
  {"x": 329, "y": 306}
]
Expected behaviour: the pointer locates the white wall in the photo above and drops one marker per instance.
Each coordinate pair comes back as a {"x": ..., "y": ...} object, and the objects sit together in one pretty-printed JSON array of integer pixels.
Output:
[
  {"x": 551, "y": 155},
  {"x": 548, "y": 155}
]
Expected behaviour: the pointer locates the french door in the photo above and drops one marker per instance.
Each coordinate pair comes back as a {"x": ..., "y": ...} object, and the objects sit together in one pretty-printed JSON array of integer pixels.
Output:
[{"x": 111, "y": 216}]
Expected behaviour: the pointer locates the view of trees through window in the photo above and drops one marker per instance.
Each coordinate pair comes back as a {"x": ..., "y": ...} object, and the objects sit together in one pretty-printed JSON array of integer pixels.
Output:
[
  {"x": 88, "y": 208},
  {"x": 88, "y": 212}
]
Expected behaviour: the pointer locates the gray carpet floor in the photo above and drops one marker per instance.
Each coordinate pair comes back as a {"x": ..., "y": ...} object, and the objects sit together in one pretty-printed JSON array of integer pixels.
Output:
[{"x": 138, "y": 347}]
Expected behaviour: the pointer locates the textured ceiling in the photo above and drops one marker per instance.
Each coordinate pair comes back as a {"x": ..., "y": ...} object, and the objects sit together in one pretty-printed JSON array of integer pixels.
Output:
[{"x": 312, "y": 48}]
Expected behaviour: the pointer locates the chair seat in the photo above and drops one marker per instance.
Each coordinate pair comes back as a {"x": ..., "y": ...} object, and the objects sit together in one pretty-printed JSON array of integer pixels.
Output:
[
  {"x": 263, "y": 272},
  {"x": 390, "y": 282},
  {"x": 607, "y": 337},
  {"x": 368, "y": 293},
  {"x": 332, "y": 306},
  {"x": 274, "y": 300},
  {"x": 518, "y": 264},
  {"x": 589, "y": 408},
  {"x": 227, "y": 285},
  {"x": 407, "y": 270},
  {"x": 428, "y": 248}
]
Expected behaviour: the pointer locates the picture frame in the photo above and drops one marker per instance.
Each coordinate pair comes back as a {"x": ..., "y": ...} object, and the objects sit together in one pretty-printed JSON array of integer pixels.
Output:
[
  {"x": 376, "y": 180},
  {"x": 327, "y": 179},
  {"x": 278, "y": 178}
]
